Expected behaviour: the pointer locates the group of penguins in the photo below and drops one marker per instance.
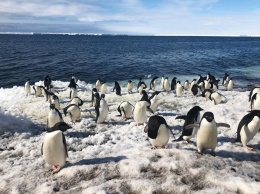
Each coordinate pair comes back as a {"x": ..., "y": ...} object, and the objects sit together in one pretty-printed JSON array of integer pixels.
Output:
[{"x": 54, "y": 148}]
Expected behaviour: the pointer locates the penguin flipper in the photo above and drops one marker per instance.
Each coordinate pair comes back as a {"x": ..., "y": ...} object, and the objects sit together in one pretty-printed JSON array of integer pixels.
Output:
[
  {"x": 191, "y": 126},
  {"x": 181, "y": 117},
  {"x": 65, "y": 145},
  {"x": 223, "y": 125}
]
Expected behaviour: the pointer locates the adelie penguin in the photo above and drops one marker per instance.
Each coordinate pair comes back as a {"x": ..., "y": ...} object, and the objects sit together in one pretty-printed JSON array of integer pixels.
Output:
[
  {"x": 117, "y": 88},
  {"x": 141, "y": 83},
  {"x": 73, "y": 83},
  {"x": 154, "y": 101},
  {"x": 179, "y": 90},
  {"x": 248, "y": 127},
  {"x": 173, "y": 83},
  {"x": 98, "y": 85},
  {"x": 74, "y": 112},
  {"x": 158, "y": 131},
  {"x": 94, "y": 96},
  {"x": 186, "y": 85},
  {"x": 47, "y": 82},
  {"x": 54, "y": 116},
  {"x": 130, "y": 86},
  {"x": 101, "y": 109},
  {"x": 192, "y": 117},
  {"x": 37, "y": 91},
  {"x": 207, "y": 133},
  {"x": 54, "y": 148},
  {"x": 166, "y": 85},
  {"x": 125, "y": 110},
  {"x": 103, "y": 88},
  {"x": 153, "y": 83},
  {"x": 140, "y": 115},
  {"x": 27, "y": 88},
  {"x": 161, "y": 83},
  {"x": 55, "y": 100},
  {"x": 230, "y": 85},
  {"x": 196, "y": 90}
]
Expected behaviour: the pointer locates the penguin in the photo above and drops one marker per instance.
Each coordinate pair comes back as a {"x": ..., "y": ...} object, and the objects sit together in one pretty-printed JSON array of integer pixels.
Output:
[
  {"x": 216, "y": 97},
  {"x": 73, "y": 93},
  {"x": 125, "y": 110},
  {"x": 54, "y": 116},
  {"x": 192, "y": 83},
  {"x": 193, "y": 116},
  {"x": 77, "y": 101},
  {"x": 248, "y": 128},
  {"x": 54, "y": 148},
  {"x": 154, "y": 101},
  {"x": 47, "y": 82},
  {"x": 117, "y": 88},
  {"x": 101, "y": 109},
  {"x": 94, "y": 96},
  {"x": 195, "y": 90},
  {"x": 173, "y": 83},
  {"x": 166, "y": 84},
  {"x": 230, "y": 85},
  {"x": 130, "y": 86},
  {"x": 214, "y": 86},
  {"x": 153, "y": 83},
  {"x": 179, "y": 90},
  {"x": 161, "y": 83},
  {"x": 74, "y": 112},
  {"x": 27, "y": 88},
  {"x": 158, "y": 131},
  {"x": 253, "y": 91},
  {"x": 224, "y": 79},
  {"x": 55, "y": 100},
  {"x": 206, "y": 84},
  {"x": 206, "y": 93},
  {"x": 103, "y": 88},
  {"x": 255, "y": 101},
  {"x": 73, "y": 83},
  {"x": 98, "y": 84},
  {"x": 186, "y": 85},
  {"x": 140, "y": 88},
  {"x": 141, "y": 83},
  {"x": 200, "y": 80},
  {"x": 37, "y": 90},
  {"x": 140, "y": 115},
  {"x": 144, "y": 96},
  {"x": 207, "y": 133}
]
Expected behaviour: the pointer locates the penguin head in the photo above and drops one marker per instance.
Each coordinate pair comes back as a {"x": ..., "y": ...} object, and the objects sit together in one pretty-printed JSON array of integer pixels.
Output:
[
  {"x": 94, "y": 90},
  {"x": 178, "y": 82},
  {"x": 256, "y": 113},
  {"x": 52, "y": 106},
  {"x": 62, "y": 126},
  {"x": 209, "y": 116},
  {"x": 102, "y": 96},
  {"x": 197, "y": 108},
  {"x": 129, "y": 81}
]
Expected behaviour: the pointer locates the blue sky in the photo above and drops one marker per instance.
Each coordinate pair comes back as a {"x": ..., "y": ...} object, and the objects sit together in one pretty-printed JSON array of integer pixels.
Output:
[{"x": 141, "y": 17}]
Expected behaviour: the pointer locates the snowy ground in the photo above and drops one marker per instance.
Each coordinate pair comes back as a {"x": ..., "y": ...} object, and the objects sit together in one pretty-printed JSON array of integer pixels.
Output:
[{"x": 116, "y": 157}]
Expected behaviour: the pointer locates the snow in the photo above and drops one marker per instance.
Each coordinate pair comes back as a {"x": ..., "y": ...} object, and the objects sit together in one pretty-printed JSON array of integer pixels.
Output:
[{"x": 116, "y": 157}]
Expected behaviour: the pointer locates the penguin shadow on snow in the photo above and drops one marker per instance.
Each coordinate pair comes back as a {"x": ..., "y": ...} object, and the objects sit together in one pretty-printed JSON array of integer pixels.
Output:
[
  {"x": 253, "y": 156},
  {"x": 79, "y": 134},
  {"x": 99, "y": 160},
  {"x": 166, "y": 114}
]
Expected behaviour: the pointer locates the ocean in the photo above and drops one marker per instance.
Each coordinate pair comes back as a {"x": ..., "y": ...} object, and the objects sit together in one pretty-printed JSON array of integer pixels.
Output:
[{"x": 121, "y": 58}]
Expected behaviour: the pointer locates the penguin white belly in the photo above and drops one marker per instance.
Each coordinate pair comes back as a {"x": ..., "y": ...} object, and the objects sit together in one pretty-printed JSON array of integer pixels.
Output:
[
  {"x": 38, "y": 91},
  {"x": 186, "y": 86},
  {"x": 230, "y": 85},
  {"x": 154, "y": 104},
  {"x": 207, "y": 136},
  {"x": 166, "y": 85},
  {"x": 130, "y": 87},
  {"x": 74, "y": 93},
  {"x": 103, "y": 89},
  {"x": 217, "y": 98},
  {"x": 248, "y": 132},
  {"x": 162, "y": 138},
  {"x": 103, "y": 112},
  {"x": 27, "y": 89},
  {"x": 54, "y": 151},
  {"x": 75, "y": 101},
  {"x": 127, "y": 109},
  {"x": 74, "y": 112},
  {"x": 53, "y": 118},
  {"x": 140, "y": 115},
  {"x": 207, "y": 85},
  {"x": 179, "y": 90}
]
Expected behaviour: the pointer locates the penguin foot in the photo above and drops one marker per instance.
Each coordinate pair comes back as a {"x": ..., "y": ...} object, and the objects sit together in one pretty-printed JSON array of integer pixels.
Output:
[
  {"x": 154, "y": 148},
  {"x": 199, "y": 152},
  {"x": 249, "y": 148},
  {"x": 56, "y": 169},
  {"x": 213, "y": 153},
  {"x": 164, "y": 146}
]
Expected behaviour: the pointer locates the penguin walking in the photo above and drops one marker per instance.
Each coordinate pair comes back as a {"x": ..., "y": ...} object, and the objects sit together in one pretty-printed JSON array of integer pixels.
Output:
[
  {"x": 141, "y": 83},
  {"x": 166, "y": 84},
  {"x": 73, "y": 83},
  {"x": 230, "y": 85},
  {"x": 103, "y": 88},
  {"x": 153, "y": 83},
  {"x": 94, "y": 96},
  {"x": 98, "y": 85},
  {"x": 130, "y": 86},
  {"x": 27, "y": 88},
  {"x": 101, "y": 109},
  {"x": 192, "y": 117},
  {"x": 248, "y": 128},
  {"x": 140, "y": 115},
  {"x": 74, "y": 111},
  {"x": 224, "y": 79},
  {"x": 77, "y": 101},
  {"x": 125, "y": 110},
  {"x": 55, "y": 100},
  {"x": 255, "y": 101},
  {"x": 117, "y": 88},
  {"x": 186, "y": 85},
  {"x": 54, "y": 148},
  {"x": 37, "y": 91},
  {"x": 179, "y": 90},
  {"x": 207, "y": 133},
  {"x": 54, "y": 116},
  {"x": 173, "y": 83},
  {"x": 158, "y": 131},
  {"x": 154, "y": 101},
  {"x": 192, "y": 83}
]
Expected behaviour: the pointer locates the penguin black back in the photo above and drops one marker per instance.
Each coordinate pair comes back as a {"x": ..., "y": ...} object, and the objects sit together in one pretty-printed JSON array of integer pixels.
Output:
[{"x": 153, "y": 125}]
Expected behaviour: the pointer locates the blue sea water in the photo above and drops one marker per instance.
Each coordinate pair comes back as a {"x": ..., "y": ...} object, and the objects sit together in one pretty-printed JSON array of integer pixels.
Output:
[{"x": 118, "y": 58}]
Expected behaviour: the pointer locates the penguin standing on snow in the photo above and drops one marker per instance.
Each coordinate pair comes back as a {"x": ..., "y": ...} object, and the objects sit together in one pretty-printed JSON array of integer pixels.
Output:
[
  {"x": 193, "y": 116},
  {"x": 166, "y": 84},
  {"x": 37, "y": 90},
  {"x": 173, "y": 83},
  {"x": 153, "y": 83},
  {"x": 55, "y": 100},
  {"x": 158, "y": 131},
  {"x": 101, "y": 109},
  {"x": 27, "y": 88},
  {"x": 54, "y": 116},
  {"x": 73, "y": 83},
  {"x": 94, "y": 96},
  {"x": 195, "y": 89},
  {"x": 216, "y": 97},
  {"x": 186, "y": 85},
  {"x": 117, "y": 88},
  {"x": 224, "y": 79},
  {"x": 98, "y": 84},
  {"x": 178, "y": 89},
  {"x": 74, "y": 112},
  {"x": 103, "y": 88},
  {"x": 248, "y": 128},
  {"x": 47, "y": 82},
  {"x": 207, "y": 133},
  {"x": 54, "y": 148},
  {"x": 154, "y": 101},
  {"x": 141, "y": 83},
  {"x": 230, "y": 85},
  {"x": 125, "y": 110},
  {"x": 130, "y": 86}
]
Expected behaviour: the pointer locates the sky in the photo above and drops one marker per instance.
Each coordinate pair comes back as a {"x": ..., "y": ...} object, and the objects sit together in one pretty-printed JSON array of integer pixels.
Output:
[{"x": 135, "y": 17}]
